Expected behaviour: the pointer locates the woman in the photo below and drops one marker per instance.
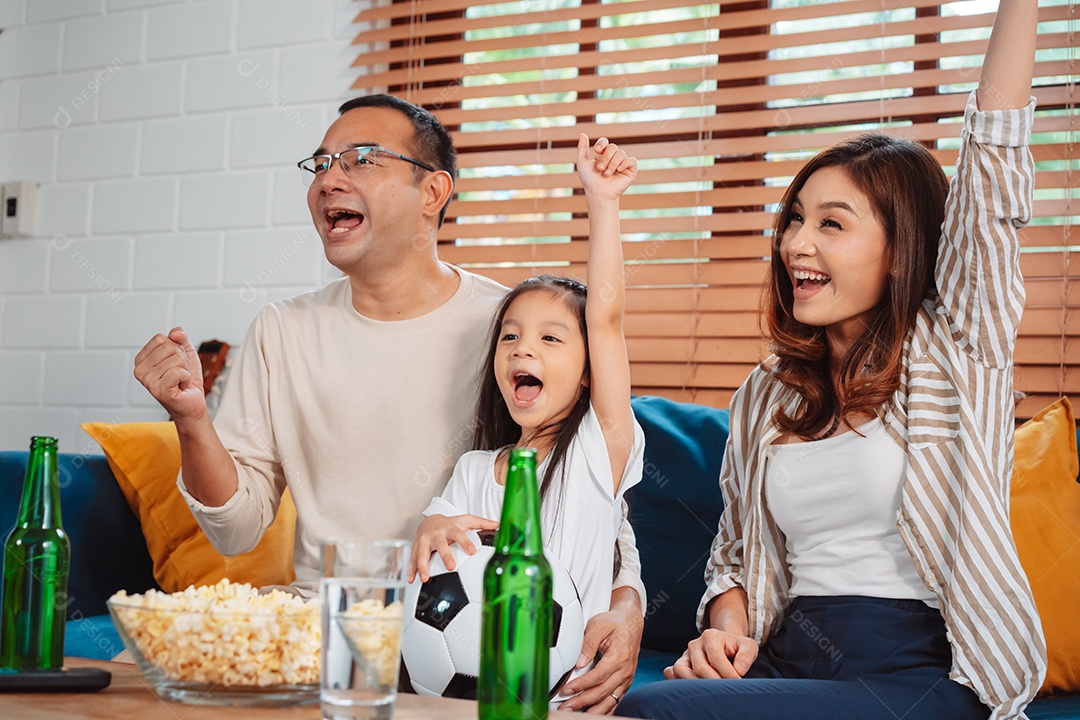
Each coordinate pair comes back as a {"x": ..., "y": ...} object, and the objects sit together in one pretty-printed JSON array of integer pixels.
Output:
[{"x": 865, "y": 548}]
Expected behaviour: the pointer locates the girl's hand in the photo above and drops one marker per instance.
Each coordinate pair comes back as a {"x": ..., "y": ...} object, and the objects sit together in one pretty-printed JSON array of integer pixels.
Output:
[
  {"x": 436, "y": 533},
  {"x": 605, "y": 170},
  {"x": 716, "y": 654}
]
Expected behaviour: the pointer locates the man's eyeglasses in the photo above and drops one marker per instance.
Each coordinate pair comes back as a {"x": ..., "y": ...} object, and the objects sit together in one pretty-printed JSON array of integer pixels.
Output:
[{"x": 354, "y": 161}]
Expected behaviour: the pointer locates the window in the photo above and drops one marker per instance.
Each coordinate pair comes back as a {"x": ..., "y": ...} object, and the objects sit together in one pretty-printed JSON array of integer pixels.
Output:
[{"x": 721, "y": 103}]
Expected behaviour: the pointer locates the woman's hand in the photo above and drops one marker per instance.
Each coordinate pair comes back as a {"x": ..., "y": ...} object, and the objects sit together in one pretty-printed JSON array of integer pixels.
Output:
[
  {"x": 716, "y": 654},
  {"x": 436, "y": 533}
]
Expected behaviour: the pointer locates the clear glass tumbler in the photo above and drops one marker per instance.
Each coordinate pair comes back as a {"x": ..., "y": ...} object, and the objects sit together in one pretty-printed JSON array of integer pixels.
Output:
[{"x": 362, "y": 586}]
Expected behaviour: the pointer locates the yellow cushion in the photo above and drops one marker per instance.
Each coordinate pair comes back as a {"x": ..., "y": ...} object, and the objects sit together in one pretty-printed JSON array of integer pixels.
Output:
[
  {"x": 145, "y": 458},
  {"x": 1045, "y": 521}
]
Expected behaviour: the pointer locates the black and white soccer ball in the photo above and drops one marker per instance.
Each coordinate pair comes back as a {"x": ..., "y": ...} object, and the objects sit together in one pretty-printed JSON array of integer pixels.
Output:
[{"x": 440, "y": 640}]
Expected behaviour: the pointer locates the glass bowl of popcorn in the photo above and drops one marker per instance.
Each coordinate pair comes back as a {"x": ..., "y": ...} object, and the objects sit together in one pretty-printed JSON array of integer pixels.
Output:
[{"x": 225, "y": 644}]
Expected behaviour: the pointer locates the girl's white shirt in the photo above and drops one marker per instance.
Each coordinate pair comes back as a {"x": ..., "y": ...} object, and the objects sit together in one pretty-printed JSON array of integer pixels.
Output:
[{"x": 580, "y": 516}]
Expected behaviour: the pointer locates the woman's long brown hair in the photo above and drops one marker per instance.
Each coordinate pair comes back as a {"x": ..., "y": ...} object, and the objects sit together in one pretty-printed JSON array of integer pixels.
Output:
[{"x": 907, "y": 190}]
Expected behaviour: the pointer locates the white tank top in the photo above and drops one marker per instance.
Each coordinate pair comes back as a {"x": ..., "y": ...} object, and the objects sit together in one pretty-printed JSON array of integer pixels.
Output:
[{"x": 836, "y": 501}]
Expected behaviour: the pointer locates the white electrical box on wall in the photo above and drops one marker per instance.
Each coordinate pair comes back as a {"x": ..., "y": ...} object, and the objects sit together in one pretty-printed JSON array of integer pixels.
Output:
[{"x": 17, "y": 209}]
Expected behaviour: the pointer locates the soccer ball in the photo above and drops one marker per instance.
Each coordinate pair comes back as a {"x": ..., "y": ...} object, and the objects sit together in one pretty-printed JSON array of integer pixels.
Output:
[{"x": 440, "y": 640}]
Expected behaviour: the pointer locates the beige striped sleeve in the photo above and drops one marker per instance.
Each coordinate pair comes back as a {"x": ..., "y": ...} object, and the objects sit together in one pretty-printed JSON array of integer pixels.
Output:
[
  {"x": 724, "y": 570},
  {"x": 990, "y": 198}
]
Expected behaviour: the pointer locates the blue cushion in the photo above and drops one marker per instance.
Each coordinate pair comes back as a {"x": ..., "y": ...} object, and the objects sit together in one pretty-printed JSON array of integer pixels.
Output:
[
  {"x": 92, "y": 637},
  {"x": 1056, "y": 708},
  {"x": 108, "y": 551},
  {"x": 675, "y": 510},
  {"x": 651, "y": 664}
]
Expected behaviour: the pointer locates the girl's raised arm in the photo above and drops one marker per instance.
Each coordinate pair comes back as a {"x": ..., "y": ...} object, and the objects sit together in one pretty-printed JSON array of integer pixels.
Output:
[
  {"x": 605, "y": 172},
  {"x": 1010, "y": 57}
]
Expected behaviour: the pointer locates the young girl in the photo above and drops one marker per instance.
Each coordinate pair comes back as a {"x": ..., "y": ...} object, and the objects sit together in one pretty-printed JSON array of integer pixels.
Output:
[
  {"x": 864, "y": 566},
  {"x": 557, "y": 379}
]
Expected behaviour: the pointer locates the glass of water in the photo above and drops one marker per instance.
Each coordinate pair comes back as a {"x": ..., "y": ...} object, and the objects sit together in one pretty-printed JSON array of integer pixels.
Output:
[{"x": 362, "y": 587}]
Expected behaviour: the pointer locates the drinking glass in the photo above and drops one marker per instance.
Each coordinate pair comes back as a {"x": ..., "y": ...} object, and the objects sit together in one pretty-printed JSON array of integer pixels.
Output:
[{"x": 362, "y": 587}]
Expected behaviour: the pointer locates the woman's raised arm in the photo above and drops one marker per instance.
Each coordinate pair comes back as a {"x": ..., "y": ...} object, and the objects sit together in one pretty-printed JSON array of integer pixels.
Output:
[{"x": 1010, "y": 58}]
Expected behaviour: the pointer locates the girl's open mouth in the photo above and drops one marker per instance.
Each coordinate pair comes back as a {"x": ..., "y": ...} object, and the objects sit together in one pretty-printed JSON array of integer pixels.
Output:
[{"x": 526, "y": 388}]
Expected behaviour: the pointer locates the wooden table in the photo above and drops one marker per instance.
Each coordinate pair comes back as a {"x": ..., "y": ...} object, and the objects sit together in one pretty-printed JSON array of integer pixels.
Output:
[{"x": 129, "y": 698}]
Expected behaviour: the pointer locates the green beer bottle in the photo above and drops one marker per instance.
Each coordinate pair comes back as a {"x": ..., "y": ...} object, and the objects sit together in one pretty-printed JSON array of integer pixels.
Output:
[
  {"x": 37, "y": 554},
  {"x": 515, "y": 627}
]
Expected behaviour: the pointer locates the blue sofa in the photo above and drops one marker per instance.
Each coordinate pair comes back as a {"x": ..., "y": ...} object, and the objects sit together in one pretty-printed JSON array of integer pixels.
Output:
[
  {"x": 108, "y": 552},
  {"x": 674, "y": 510}
]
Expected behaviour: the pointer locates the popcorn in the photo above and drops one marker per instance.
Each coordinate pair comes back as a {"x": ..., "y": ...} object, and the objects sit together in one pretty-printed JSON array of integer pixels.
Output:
[
  {"x": 374, "y": 632},
  {"x": 225, "y": 634}
]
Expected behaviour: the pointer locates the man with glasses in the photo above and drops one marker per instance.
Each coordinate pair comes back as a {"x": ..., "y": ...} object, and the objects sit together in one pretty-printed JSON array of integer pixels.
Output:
[{"x": 359, "y": 396}]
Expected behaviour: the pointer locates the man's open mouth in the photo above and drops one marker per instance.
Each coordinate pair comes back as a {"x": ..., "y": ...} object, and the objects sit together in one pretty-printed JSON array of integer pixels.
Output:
[
  {"x": 526, "y": 387},
  {"x": 343, "y": 220}
]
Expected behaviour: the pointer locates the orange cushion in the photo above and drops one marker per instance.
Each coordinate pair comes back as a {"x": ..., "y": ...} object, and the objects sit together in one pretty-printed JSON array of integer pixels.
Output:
[
  {"x": 1045, "y": 521},
  {"x": 145, "y": 458}
]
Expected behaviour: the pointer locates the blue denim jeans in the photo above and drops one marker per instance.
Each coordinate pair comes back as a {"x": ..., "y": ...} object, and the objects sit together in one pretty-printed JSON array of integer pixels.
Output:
[{"x": 833, "y": 658}]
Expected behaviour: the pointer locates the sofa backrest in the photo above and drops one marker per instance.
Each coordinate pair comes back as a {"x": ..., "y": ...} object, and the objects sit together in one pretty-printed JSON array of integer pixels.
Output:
[
  {"x": 108, "y": 552},
  {"x": 675, "y": 510}
]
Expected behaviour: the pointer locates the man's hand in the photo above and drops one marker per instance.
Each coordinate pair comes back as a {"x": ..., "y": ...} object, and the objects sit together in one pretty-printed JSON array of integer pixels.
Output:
[
  {"x": 169, "y": 368},
  {"x": 436, "y": 533},
  {"x": 616, "y": 634},
  {"x": 716, "y": 654}
]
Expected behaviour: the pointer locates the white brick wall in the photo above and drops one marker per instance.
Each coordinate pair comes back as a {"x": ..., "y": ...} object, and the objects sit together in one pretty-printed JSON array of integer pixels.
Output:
[
  {"x": 178, "y": 260},
  {"x": 274, "y": 138},
  {"x": 22, "y": 370},
  {"x": 89, "y": 265},
  {"x": 244, "y": 193},
  {"x": 316, "y": 72},
  {"x": 221, "y": 314},
  {"x": 63, "y": 209},
  {"x": 9, "y": 105},
  {"x": 61, "y": 9},
  {"x": 18, "y": 423},
  {"x": 22, "y": 267},
  {"x": 125, "y": 320},
  {"x": 43, "y": 322},
  {"x": 184, "y": 30},
  {"x": 162, "y": 136},
  {"x": 234, "y": 81},
  {"x": 28, "y": 155},
  {"x": 278, "y": 257},
  {"x": 273, "y": 23},
  {"x": 100, "y": 151},
  {"x": 66, "y": 375},
  {"x": 142, "y": 92},
  {"x": 103, "y": 41},
  {"x": 30, "y": 50},
  {"x": 42, "y": 99},
  {"x": 141, "y": 205},
  {"x": 290, "y": 196},
  {"x": 184, "y": 145}
]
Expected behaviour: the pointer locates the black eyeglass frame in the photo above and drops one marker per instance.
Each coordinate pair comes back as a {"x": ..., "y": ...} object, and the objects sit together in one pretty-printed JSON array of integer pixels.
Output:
[{"x": 360, "y": 151}]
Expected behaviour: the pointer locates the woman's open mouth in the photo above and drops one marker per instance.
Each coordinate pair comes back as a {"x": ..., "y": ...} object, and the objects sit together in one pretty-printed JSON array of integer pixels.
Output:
[{"x": 804, "y": 279}]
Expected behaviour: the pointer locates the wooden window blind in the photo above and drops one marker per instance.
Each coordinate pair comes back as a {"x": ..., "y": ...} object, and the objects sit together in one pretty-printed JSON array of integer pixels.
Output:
[{"x": 721, "y": 103}]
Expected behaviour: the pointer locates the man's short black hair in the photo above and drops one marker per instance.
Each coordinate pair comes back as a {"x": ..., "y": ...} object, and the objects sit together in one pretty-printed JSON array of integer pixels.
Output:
[{"x": 433, "y": 143}]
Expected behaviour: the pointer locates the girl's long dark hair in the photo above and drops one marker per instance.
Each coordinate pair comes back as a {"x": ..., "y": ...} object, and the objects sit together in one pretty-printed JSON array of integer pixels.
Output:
[
  {"x": 495, "y": 427},
  {"x": 907, "y": 190}
]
